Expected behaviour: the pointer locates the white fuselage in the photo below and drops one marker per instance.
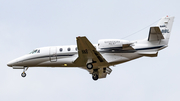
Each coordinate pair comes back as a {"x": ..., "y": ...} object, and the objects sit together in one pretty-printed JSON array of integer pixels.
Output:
[{"x": 64, "y": 56}]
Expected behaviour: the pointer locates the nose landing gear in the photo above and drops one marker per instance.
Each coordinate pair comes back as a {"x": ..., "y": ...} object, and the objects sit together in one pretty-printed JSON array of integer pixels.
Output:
[{"x": 23, "y": 74}]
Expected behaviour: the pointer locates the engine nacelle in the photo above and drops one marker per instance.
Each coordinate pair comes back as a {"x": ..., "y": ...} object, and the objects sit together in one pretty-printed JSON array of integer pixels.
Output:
[{"x": 112, "y": 43}]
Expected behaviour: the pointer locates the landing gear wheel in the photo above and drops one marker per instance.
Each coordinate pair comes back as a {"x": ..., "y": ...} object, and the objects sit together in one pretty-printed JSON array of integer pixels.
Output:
[
  {"x": 95, "y": 76},
  {"x": 23, "y": 74},
  {"x": 89, "y": 66}
]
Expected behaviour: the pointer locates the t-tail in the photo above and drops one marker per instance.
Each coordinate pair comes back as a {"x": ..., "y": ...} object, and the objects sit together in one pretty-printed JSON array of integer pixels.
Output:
[
  {"x": 162, "y": 31},
  {"x": 158, "y": 38}
]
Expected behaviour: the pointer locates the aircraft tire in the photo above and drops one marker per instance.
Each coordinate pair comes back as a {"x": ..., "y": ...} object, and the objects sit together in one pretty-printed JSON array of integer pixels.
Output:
[
  {"x": 95, "y": 76},
  {"x": 89, "y": 66},
  {"x": 23, "y": 74}
]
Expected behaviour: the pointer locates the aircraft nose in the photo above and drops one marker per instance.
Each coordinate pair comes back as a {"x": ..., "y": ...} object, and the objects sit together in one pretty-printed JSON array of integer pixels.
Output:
[{"x": 11, "y": 63}]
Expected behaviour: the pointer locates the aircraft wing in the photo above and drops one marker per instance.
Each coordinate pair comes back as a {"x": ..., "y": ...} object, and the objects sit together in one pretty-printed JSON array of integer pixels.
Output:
[
  {"x": 155, "y": 34},
  {"x": 88, "y": 53}
]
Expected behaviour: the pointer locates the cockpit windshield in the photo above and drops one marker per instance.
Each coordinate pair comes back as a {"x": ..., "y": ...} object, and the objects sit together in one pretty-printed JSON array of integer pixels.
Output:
[{"x": 35, "y": 51}]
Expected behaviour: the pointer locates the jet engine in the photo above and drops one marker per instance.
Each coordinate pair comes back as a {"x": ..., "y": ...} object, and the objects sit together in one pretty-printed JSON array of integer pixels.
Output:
[{"x": 112, "y": 43}]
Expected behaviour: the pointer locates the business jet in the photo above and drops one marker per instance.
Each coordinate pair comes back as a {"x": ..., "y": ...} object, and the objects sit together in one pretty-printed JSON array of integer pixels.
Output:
[{"x": 97, "y": 58}]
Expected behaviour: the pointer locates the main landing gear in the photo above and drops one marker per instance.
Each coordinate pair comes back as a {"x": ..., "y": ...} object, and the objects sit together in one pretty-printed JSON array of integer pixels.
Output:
[
  {"x": 95, "y": 75},
  {"x": 89, "y": 66},
  {"x": 23, "y": 74}
]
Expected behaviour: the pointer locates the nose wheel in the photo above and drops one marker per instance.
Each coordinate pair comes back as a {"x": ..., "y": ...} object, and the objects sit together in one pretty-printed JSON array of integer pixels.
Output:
[{"x": 23, "y": 74}]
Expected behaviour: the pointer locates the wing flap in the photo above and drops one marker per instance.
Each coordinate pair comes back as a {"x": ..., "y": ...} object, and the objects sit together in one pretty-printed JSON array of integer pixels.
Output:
[{"x": 102, "y": 72}]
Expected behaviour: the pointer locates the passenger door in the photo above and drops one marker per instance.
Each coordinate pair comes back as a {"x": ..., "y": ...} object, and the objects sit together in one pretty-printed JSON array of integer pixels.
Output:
[{"x": 53, "y": 54}]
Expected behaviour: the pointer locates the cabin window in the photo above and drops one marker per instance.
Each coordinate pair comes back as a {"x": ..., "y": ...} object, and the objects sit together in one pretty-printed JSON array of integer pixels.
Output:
[
  {"x": 31, "y": 52},
  {"x": 69, "y": 49},
  {"x": 38, "y": 51},
  {"x": 35, "y": 51},
  {"x": 60, "y": 49}
]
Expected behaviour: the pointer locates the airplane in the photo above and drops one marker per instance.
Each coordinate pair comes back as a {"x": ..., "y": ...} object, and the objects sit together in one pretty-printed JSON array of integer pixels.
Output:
[{"x": 97, "y": 58}]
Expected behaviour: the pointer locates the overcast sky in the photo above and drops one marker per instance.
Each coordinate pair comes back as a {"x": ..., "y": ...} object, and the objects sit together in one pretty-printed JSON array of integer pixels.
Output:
[{"x": 29, "y": 24}]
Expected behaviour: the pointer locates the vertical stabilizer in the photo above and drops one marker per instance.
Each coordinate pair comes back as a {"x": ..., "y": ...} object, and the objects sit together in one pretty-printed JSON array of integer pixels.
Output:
[{"x": 165, "y": 25}]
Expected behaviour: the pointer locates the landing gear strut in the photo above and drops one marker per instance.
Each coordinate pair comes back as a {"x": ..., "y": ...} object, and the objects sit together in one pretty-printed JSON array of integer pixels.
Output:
[{"x": 23, "y": 74}]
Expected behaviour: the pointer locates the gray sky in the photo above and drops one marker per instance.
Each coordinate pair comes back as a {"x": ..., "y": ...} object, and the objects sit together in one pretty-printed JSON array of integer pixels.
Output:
[{"x": 29, "y": 24}]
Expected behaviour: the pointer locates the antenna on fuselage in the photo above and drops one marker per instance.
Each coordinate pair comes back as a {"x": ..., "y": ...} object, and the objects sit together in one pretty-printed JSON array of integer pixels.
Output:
[{"x": 140, "y": 30}]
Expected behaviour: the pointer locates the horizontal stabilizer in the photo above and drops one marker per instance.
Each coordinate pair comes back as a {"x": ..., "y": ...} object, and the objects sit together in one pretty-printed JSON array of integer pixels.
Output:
[
  {"x": 155, "y": 34},
  {"x": 149, "y": 54}
]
